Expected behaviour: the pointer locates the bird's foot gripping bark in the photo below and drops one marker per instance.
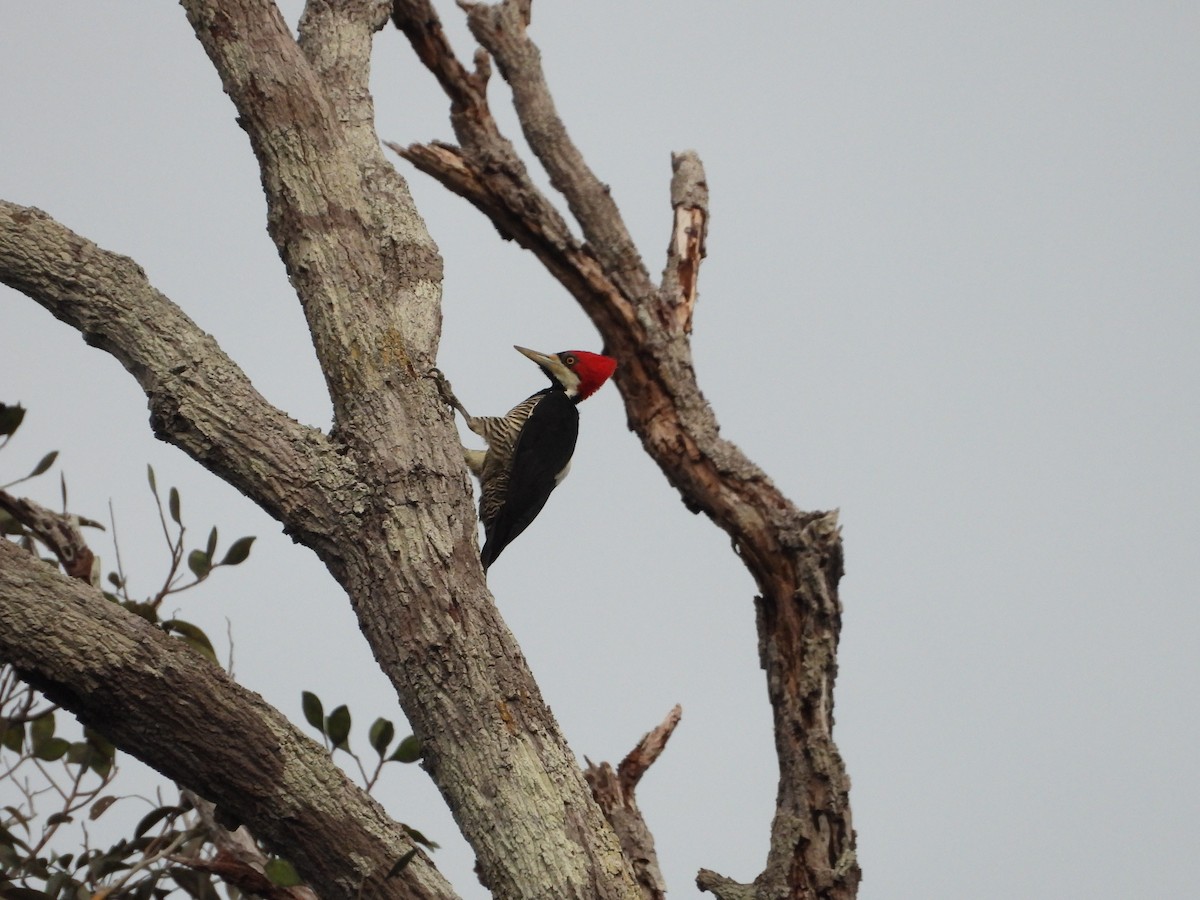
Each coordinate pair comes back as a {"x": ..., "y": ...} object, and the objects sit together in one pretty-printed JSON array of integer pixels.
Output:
[{"x": 447, "y": 392}]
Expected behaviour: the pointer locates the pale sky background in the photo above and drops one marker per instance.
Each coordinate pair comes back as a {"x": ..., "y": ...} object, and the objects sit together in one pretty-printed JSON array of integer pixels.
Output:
[{"x": 953, "y": 288}]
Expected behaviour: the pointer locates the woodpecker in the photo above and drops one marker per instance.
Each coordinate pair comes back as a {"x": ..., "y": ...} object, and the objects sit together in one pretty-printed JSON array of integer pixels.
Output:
[{"x": 529, "y": 449}]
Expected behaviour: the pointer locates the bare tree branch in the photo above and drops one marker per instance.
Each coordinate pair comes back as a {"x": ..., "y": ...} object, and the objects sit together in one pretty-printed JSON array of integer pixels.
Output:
[
  {"x": 327, "y": 187},
  {"x": 486, "y": 171},
  {"x": 199, "y": 399},
  {"x": 724, "y": 888},
  {"x": 614, "y": 791},
  {"x": 133, "y": 683},
  {"x": 647, "y": 751},
  {"x": 501, "y": 29},
  {"x": 681, "y": 277},
  {"x": 795, "y": 557},
  {"x": 58, "y": 532}
]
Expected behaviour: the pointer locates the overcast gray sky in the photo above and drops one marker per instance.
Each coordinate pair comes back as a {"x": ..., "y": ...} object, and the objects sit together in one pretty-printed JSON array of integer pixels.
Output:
[{"x": 953, "y": 288}]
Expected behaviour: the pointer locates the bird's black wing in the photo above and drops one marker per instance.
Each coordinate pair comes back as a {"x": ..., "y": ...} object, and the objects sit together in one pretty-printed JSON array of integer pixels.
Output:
[{"x": 543, "y": 450}]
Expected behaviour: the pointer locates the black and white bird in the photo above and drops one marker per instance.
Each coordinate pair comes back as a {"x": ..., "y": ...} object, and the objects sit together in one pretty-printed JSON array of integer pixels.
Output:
[{"x": 530, "y": 448}]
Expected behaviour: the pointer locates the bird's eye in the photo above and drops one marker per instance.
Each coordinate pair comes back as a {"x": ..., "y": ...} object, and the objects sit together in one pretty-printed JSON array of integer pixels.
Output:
[{"x": 569, "y": 360}]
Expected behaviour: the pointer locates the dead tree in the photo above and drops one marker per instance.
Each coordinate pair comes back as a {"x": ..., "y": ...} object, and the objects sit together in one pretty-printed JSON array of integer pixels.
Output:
[{"x": 383, "y": 498}]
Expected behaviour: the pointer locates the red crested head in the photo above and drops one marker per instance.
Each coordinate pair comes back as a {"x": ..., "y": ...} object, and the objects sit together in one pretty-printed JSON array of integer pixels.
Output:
[
  {"x": 577, "y": 372},
  {"x": 593, "y": 370}
]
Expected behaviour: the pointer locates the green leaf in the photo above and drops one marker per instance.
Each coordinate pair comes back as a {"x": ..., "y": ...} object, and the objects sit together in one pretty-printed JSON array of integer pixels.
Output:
[
  {"x": 56, "y": 882},
  {"x": 9, "y": 525},
  {"x": 145, "y": 610},
  {"x": 314, "y": 712},
  {"x": 150, "y": 477},
  {"x": 17, "y": 818},
  {"x": 238, "y": 552},
  {"x": 198, "y": 885},
  {"x": 400, "y": 864},
  {"x": 337, "y": 727},
  {"x": 211, "y": 548},
  {"x": 282, "y": 873},
  {"x": 10, "y": 418},
  {"x": 51, "y": 749},
  {"x": 13, "y": 736},
  {"x": 46, "y": 462},
  {"x": 9, "y": 861},
  {"x": 173, "y": 505},
  {"x": 420, "y": 838},
  {"x": 101, "y": 753},
  {"x": 106, "y": 865},
  {"x": 152, "y": 818},
  {"x": 409, "y": 750},
  {"x": 193, "y": 635},
  {"x": 100, "y": 743},
  {"x": 381, "y": 734},
  {"x": 200, "y": 563},
  {"x": 7, "y": 837},
  {"x": 41, "y": 730},
  {"x": 100, "y": 806}
]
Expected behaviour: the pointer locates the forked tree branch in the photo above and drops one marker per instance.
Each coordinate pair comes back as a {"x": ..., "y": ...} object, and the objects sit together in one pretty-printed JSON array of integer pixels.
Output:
[
  {"x": 501, "y": 29},
  {"x": 58, "y": 532},
  {"x": 384, "y": 502},
  {"x": 389, "y": 509},
  {"x": 614, "y": 791},
  {"x": 794, "y": 556},
  {"x": 199, "y": 399}
]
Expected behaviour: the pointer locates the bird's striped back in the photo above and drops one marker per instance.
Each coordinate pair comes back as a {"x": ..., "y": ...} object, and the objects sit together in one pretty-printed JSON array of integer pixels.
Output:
[{"x": 501, "y": 434}]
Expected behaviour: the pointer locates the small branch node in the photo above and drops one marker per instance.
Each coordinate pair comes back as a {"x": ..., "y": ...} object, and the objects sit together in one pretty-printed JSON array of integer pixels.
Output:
[
  {"x": 483, "y": 67},
  {"x": 58, "y": 532},
  {"x": 723, "y": 888}
]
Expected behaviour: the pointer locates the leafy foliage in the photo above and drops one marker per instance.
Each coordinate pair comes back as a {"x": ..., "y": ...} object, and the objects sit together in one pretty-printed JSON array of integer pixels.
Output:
[
  {"x": 63, "y": 775},
  {"x": 78, "y": 773},
  {"x": 335, "y": 731}
]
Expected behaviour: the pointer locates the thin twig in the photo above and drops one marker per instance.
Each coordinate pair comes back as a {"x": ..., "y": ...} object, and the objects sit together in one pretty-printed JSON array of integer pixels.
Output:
[{"x": 112, "y": 519}]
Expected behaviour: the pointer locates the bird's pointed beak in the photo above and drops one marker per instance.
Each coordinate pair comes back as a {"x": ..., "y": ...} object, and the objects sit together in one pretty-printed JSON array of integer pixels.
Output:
[
  {"x": 553, "y": 367},
  {"x": 541, "y": 359}
]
